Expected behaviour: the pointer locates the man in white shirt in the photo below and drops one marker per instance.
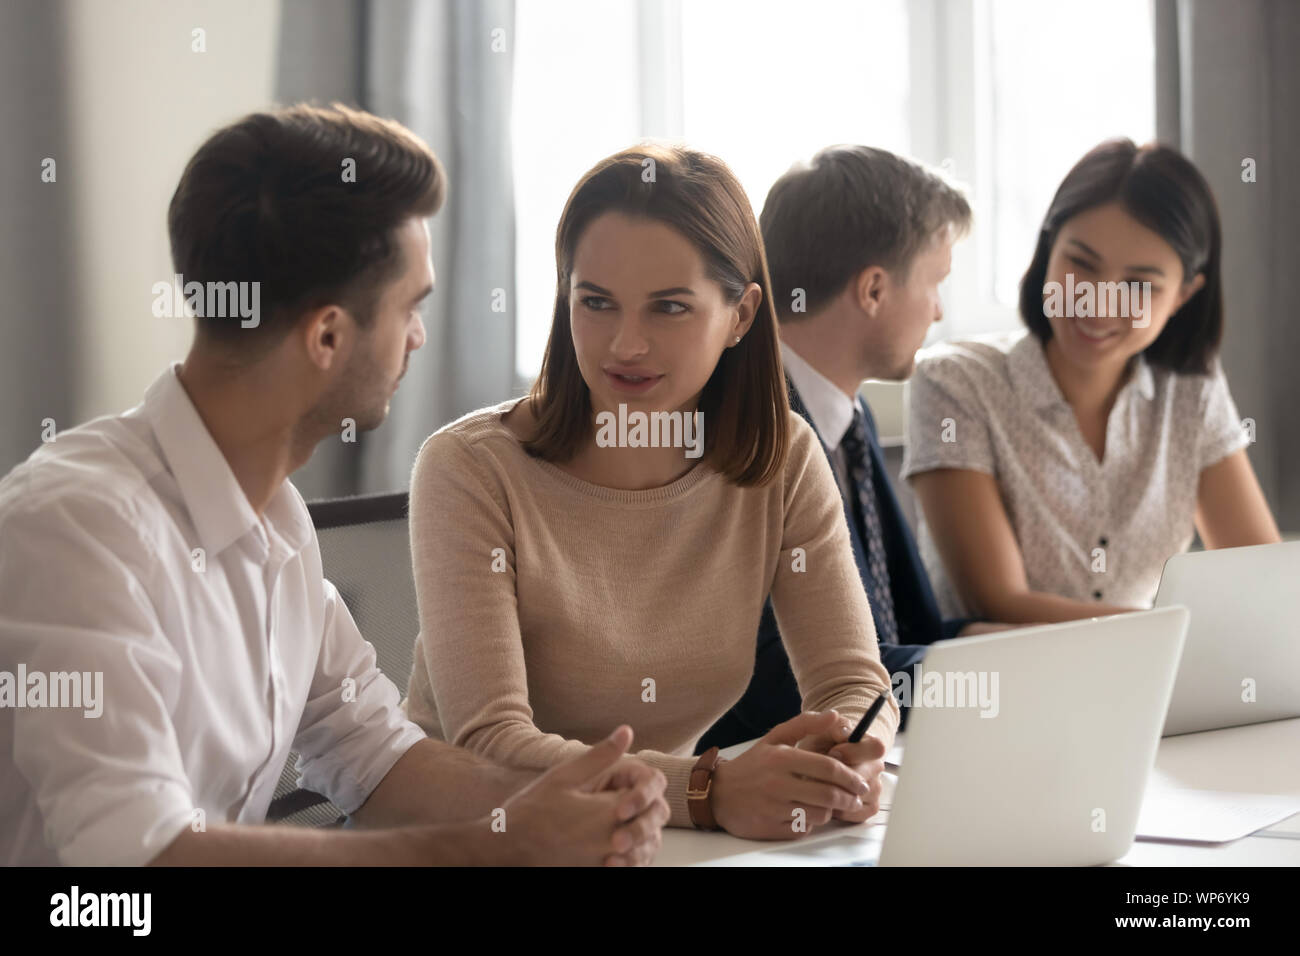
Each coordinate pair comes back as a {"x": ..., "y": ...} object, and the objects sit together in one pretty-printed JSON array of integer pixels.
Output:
[{"x": 166, "y": 635}]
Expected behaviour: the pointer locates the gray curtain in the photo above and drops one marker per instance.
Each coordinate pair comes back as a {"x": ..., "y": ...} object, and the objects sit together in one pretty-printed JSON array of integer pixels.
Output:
[
  {"x": 38, "y": 310},
  {"x": 1228, "y": 89},
  {"x": 436, "y": 66}
]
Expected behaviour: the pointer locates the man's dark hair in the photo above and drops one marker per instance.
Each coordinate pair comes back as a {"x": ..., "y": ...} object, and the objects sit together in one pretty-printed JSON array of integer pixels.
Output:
[
  {"x": 1163, "y": 190},
  {"x": 851, "y": 207},
  {"x": 268, "y": 200}
]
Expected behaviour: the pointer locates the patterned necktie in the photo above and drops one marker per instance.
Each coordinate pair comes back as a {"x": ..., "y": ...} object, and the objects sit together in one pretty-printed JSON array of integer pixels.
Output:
[{"x": 858, "y": 456}]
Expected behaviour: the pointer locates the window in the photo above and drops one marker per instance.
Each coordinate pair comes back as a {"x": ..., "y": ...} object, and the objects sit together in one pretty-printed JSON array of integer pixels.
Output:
[
  {"x": 1033, "y": 86},
  {"x": 575, "y": 94},
  {"x": 1005, "y": 94},
  {"x": 768, "y": 83}
]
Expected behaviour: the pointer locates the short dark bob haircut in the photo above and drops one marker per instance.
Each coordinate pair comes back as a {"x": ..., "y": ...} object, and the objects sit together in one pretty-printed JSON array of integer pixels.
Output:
[{"x": 1160, "y": 188}]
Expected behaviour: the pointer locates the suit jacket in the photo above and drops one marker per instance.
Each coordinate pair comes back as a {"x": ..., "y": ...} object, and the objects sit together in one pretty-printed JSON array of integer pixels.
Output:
[{"x": 773, "y": 694}]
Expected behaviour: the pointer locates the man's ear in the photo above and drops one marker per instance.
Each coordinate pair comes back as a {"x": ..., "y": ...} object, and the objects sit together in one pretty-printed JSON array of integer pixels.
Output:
[
  {"x": 869, "y": 289},
  {"x": 327, "y": 335}
]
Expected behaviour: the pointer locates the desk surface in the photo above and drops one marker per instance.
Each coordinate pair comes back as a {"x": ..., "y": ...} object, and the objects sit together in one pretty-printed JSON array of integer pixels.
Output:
[{"x": 1260, "y": 758}]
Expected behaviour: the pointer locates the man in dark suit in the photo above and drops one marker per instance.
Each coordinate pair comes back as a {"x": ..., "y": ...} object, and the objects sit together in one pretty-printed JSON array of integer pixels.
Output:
[{"x": 857, "y": 241}]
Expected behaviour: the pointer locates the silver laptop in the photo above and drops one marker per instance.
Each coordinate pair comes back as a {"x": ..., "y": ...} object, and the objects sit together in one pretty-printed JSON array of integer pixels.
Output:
[
  {"x": 1241, "y": 664},
  {"x": 1044, "y": 765}
]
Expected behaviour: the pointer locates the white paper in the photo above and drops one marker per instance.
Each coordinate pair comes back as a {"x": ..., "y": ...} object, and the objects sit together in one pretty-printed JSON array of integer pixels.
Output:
[{"x": 1209, "y": 816}]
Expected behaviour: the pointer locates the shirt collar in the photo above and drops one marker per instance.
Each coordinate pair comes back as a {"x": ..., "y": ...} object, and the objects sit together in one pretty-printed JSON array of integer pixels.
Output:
[
  {"x": 1027, "y": 364},
  {"x": 830, "y": 409},
  {"x": 1143, "y": 380},
  {"x": 217, "y": 504}
]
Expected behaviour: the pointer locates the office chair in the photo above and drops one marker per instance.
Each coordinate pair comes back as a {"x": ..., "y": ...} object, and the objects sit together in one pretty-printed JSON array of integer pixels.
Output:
[{"x": 365, "y": 551}]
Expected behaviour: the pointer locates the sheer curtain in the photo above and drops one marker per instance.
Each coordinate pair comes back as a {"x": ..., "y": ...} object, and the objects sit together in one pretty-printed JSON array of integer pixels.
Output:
[
  {"x": 1228, "y": 91},
  {"x": 444, "y": 68},
  {"x": 38, "y": 314}
]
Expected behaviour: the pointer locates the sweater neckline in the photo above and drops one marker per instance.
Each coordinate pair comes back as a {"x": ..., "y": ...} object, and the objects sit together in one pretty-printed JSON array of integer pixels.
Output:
[{"x": 622, "y": 496}]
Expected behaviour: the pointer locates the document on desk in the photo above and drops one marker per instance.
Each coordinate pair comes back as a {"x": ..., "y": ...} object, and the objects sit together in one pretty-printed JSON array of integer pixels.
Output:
[{"x": 1209, "y": 816}]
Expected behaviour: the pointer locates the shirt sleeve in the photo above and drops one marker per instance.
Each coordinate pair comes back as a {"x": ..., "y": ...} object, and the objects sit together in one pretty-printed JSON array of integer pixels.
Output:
[
  {"x": 820, "y": 604},
  {"x": 110, "y": 785},
  {"x": 469, "y": 657},
  {"x": 946, "y": 424},
  {"x": 352, "y": 729},
  {"x": 1222, "y": 430}
]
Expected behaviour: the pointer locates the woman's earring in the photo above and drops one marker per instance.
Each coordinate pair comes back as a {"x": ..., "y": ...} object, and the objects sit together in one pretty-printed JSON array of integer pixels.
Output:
[{"x": 736, "y": 340}]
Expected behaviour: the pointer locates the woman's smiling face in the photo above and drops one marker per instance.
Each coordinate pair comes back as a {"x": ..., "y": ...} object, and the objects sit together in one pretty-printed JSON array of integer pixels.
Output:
[
  {"x": 648, "y": 323},
  {"x": 1106, "y": 244}
]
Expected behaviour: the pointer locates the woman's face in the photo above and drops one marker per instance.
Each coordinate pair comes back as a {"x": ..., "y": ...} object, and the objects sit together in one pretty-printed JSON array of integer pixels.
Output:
[
  {"x": 648, "y": 324},
  {"x": 1095, "y": 253}
]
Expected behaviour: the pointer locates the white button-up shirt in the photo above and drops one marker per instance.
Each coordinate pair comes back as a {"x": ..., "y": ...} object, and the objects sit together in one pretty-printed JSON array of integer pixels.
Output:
[
  {"x": 1090, "y": 530},
  {"x": 128, "y": 549},
  {"x": 830, "y": 409}
]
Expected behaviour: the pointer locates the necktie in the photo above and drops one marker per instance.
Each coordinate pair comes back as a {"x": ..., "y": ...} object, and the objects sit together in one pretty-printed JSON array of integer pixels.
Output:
[{"x": 858, "y": 456}]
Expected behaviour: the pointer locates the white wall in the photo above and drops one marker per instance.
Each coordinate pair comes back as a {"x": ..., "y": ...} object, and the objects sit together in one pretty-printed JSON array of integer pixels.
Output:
[{"x": 141, "y": 102}]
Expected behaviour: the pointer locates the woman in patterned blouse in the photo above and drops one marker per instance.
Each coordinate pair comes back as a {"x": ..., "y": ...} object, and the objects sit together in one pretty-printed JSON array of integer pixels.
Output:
[{"x": 1059, "y": 468}]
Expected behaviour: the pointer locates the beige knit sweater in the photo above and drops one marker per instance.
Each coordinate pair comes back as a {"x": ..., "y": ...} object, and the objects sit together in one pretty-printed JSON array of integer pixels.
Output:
[{"x": 552, "y": 609}]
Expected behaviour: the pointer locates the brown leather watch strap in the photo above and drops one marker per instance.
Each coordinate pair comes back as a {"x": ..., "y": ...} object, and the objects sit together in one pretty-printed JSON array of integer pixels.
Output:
[{"x": 699, "y": 791}]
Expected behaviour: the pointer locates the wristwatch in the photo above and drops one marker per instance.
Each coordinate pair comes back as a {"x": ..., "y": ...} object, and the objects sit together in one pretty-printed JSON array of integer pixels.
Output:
[{"x": 699, "y": 789}]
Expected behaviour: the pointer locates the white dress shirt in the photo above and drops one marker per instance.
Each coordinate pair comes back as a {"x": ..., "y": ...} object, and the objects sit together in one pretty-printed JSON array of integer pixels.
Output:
[
  {"x": 1090, "y": 530},
  {"x": 830, "y": 409},
  {"x": 127, "y": 547}
]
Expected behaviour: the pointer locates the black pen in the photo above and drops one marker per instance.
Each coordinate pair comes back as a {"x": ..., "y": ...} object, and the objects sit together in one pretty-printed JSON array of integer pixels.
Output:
[{"x": 867, "y": 718}]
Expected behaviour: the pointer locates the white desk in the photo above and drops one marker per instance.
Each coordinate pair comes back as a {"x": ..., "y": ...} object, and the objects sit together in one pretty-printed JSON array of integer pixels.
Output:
[{"x": 1260, "y": 758}]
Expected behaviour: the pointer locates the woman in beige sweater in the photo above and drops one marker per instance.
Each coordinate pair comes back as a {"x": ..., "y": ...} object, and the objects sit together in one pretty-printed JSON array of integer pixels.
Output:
[{"x": 583, "y": 560}]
